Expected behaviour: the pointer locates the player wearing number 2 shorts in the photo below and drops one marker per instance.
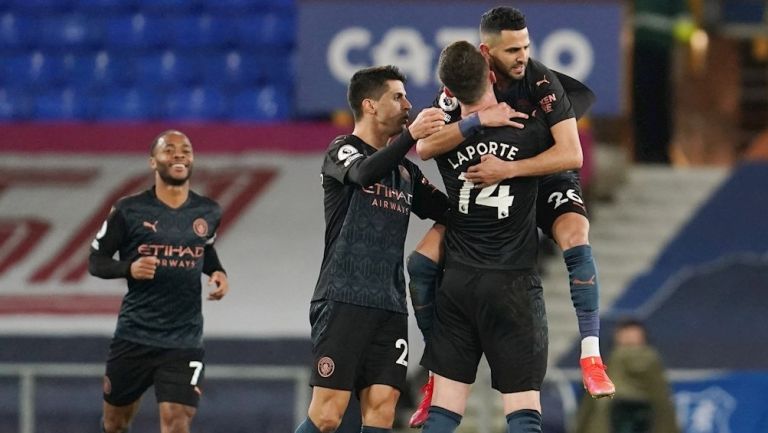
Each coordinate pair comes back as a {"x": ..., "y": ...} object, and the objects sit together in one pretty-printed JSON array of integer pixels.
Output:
[{"x": 164, "y": 240}]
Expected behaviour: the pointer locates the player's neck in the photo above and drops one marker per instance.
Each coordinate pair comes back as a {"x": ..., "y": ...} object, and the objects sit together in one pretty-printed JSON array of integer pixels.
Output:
[
  {"x": 503, "y": 82},
  {"x": 371, "y": 135},
  {"x": 487, "y": 100},
  {"x": 172, "y": 195}
]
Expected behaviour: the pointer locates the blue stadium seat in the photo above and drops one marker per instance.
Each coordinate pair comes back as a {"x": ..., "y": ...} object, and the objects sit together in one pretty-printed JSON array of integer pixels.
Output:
[
  {"x": 18, "y": 31},
  {"x": 15, "y": 104},
  {"x": 70, "y": 30},
  {"x": 275, "y": 67},
  {"x": 60, "y": 103},
  {"x": 129, "y": 104},
  {"x": 228, "y": 69},
  {"x": 35, "y": 69},
  {"x": 102, "y": 69},
  {"x": 233, "y": 7},
  {"x": 202, "y": 31},
  {"x": 136, "y": 31},
  {"x": 182, "y": 6},
  {"x": 270, "y": 103},
  {"x": 104, "y": 6},
  {"x": 267, "y": 29},
  {"x": 167, "y": 68},
  {"x": 196, "y": 103},
  {"x": 45, "y": 7}
]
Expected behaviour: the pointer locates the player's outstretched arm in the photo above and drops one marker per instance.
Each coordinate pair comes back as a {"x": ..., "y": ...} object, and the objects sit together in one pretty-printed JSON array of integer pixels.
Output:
[
  {"x": 565, "y": 154},
  {"x": 453, "y": 134}
]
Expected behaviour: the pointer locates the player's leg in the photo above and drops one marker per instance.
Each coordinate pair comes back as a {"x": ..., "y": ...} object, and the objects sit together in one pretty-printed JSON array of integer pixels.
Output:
[
  {"x": 454, "y": 350},
  {"x": 117, "y": 419},
  {"x": 424, "y": 272},
  {"x": 175, "y": 417},
  {"x": 562, "y": 215},
  {"x": 383, "y": 370},
  {"x": 377, "y": 406},
  {"x": 325, "y": 410},
  {"x": 334, "y": 345},
  {"x": 178, "y": 387},
  {"x": 448, "y": 404},
  {"x": 129, "y": 373},
  {"x": 515, "y": 340}
]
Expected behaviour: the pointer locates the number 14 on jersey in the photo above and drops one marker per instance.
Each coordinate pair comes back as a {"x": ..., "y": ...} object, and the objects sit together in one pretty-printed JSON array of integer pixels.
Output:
[{"x": 502, "y": 201}]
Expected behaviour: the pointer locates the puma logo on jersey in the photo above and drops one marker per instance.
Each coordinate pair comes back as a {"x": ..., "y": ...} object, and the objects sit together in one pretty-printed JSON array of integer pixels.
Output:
[
  {"x": 151, "y": 226},
  {"x": 542, "y": 81},
  {"x": 578, "y": 282}
]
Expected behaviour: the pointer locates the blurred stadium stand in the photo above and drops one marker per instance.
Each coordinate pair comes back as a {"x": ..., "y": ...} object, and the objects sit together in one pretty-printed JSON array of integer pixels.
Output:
[{"x": 153, "y": 56}]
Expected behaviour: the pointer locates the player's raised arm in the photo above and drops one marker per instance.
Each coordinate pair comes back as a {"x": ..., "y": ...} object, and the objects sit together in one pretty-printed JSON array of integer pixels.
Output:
[{"x": 453, "y": 134}]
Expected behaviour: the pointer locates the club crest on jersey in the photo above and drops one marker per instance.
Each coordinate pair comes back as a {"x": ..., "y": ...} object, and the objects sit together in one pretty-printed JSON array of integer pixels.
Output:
[
  {"x": 348, "y": 153},
  {"x": 200, "y": 226},
  {"x": 447, "y": 103},
  {"x": 325, "y": 366},
  {"x": 542, "y": 81}
]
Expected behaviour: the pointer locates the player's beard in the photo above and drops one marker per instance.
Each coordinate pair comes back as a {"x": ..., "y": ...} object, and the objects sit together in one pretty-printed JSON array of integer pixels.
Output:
[{"x": 164, "y": 171}]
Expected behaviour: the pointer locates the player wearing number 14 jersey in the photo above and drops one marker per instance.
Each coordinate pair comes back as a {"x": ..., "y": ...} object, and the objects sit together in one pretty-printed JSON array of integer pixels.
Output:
[{"x": 490, "y": 301}]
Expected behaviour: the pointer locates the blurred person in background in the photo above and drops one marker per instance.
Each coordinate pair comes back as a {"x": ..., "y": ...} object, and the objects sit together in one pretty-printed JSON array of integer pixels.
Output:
[
  {"x": 164, "y": 238},
  {"x": 656, "y": 25},
  {"x": 643, "y": 401},
  {"x": 358, "y": 310},
  {"x": 529, "y": 87}
]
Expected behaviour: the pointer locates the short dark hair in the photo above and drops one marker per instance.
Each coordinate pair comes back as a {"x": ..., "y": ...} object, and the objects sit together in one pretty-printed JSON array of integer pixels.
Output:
[
  {"x": 502, "y": 18},
  {"x": 162, "y": 135},
  {"x": 370, "y": 83},
  {"x": 464, "y": 71}
]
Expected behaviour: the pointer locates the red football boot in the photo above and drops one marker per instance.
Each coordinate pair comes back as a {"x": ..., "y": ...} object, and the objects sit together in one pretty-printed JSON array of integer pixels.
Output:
[
  {"x": 422, "y": 412},
  {"x": 596, "y": 382}
]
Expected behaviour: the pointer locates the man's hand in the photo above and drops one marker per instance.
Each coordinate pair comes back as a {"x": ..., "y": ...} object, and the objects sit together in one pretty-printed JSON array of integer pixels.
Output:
[
  {"x": 221, "y": 283},
  {"x": 428, "y": 121},
  {"x": 490, "y": 170},
  {"x": 500, "y": 115},
  {"x": 144, "y": 268}
]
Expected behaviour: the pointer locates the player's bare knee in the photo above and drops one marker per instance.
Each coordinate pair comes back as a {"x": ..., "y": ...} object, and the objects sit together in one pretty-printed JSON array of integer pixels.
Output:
[
  {"x": 116, "y": 424},
  {"x": 378, "y": 407},
  {"x": 327, "y": 421},
  {"x": 571, "y": 230}
]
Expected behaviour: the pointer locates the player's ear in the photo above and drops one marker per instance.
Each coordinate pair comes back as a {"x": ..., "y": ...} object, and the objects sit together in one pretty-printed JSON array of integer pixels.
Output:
[
  {"x": 369, "y": 106},
  {"x": 485, "y": 50},
  {"x": 152, "y": 163}
]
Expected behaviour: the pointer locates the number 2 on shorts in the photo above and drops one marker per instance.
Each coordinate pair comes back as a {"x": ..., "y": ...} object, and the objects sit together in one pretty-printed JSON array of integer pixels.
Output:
[{"x": 403, "y": 359}]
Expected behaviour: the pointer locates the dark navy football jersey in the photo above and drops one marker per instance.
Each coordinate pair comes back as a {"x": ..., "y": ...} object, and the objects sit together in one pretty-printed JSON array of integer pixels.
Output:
[
  {"x": 365, "y": 227},
  {"x": 164, "y": 311},
  {"x": 551, "y": 94},
  {"x": 493, "y": 227}
]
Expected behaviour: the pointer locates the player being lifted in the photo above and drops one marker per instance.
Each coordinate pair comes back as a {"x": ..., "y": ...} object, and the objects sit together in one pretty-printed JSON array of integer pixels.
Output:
[{"x": 526, "y": 85}]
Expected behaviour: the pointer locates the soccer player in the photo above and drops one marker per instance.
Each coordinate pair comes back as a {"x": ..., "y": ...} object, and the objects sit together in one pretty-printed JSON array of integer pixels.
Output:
[
  {"x": 528, "y": 86},
  {"x": 490, "y": 300},
  {"x": 358, "y": 311},
  {"x": 164, "y": 238}
]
